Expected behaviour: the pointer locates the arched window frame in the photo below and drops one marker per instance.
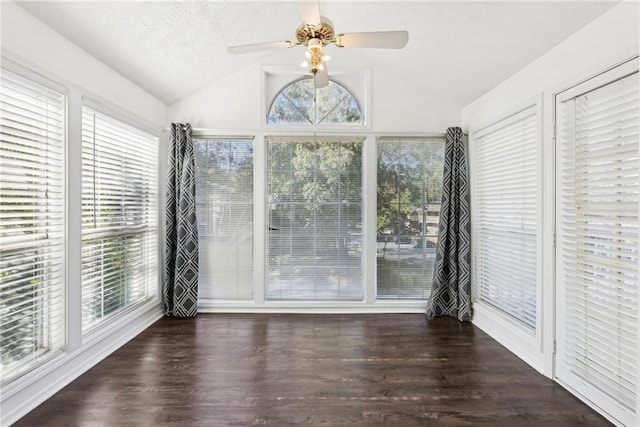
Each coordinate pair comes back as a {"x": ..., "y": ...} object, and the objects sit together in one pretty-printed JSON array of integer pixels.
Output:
[{"x": 361, "y": 124}]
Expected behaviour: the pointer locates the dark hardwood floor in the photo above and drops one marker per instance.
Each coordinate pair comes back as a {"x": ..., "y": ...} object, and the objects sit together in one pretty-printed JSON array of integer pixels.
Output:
[{"x": 290, "y": 370}]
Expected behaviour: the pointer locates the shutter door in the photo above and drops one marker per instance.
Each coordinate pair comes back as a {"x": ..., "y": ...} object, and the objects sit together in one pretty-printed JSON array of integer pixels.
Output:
[{"x": 597, "y": 229}]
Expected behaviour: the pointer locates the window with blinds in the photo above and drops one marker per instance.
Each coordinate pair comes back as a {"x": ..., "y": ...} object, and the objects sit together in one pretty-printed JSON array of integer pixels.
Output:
[
  {"x": 597, "y": 226},
  {"x": 32, "y": 215},
  {"x": 314, "y": 208},
  {"x": 505, "y": 216},
  {"x": 224, "y": 207},
  {"x": 119, "y": 219},
  {"x": 409, "y": 194}
]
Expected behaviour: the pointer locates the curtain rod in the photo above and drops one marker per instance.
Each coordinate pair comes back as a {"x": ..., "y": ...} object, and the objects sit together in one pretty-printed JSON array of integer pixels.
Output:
[
  {"x": 216, "y": 133},
  {"x": 231, "y": 133},
  {"x": 207, "y": 129}
]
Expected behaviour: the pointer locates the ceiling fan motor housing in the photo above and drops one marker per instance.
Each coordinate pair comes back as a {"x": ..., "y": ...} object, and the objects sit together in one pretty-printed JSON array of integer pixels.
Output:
[{"x": 323, "y": 32}]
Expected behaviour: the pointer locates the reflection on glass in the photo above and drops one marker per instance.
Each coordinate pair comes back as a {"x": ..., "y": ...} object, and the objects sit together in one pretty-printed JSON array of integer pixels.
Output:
[
  {"x": 314, "y": 237},
  {"x": 409, "y": 194},
  {"x": 299, "y": 103},
  {"x": 224, "y": 207}
]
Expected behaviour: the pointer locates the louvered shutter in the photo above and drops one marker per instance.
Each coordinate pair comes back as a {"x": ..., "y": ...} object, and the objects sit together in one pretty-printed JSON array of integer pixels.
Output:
[
  {"x": 597, "y": 227},
  {"x": 314, "y": 236},
  {"x": 119, "y": 219},
  {"x": 32, "y": 209},
  {"x": 224, "y": 203},
  {"x": 505, "y": 216}
]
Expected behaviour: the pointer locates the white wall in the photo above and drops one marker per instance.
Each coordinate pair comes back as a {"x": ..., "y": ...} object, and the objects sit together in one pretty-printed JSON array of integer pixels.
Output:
[
  {"x": 37, "y": 44},
  {"x": 29, "y": 43},
  {"x": 396, "y": 98},
  {"x": 605, "y": 41},
  {"x": 610, "y": 39}
]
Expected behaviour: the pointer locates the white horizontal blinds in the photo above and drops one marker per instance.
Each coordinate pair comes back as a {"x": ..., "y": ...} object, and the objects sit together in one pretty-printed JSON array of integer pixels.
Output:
[
  {"x": 409, "y": 195},
  {"x": 224, "y": 207},
  {"x": 597, "y": 228},
  {"x": 119, "y": 219},
  {"x": 314, "y": 236},
  {"x": 32, "y": 140},
  {"x": 506, "y": 216}
]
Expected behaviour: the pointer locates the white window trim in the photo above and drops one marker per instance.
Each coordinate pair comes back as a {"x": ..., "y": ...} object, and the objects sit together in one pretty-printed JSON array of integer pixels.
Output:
[
  {"x": 343, "y": 75},
  {"x": 369, "y": 304},
  {"x": 107, "y": 322},
  {"x": 62, "y": 335},
  {"x": 522, "y": 341},
  {"x": 117, "y": 113}
]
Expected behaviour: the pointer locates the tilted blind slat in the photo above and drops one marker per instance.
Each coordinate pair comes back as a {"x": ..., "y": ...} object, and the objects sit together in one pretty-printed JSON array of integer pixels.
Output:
[
  {"x": 505, "y": 213},
  {"x": 598, "y": 243},
  {"x": 31, "y": 223},
  {"x": 314, "y": 241},
  {"x": 409, "y": 189},
  {"x": 119, "y": 219},
  {"x": 224, "y": 207}
]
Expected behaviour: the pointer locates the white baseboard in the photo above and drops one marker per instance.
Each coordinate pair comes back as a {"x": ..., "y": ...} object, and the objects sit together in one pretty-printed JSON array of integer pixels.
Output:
[
  {"x": 296, "y": 307},
  {"x": 515, "y": 338}
]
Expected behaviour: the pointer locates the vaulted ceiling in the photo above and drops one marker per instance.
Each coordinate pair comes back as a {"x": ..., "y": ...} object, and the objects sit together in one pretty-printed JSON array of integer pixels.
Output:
[{"x": 173, "y": 48}]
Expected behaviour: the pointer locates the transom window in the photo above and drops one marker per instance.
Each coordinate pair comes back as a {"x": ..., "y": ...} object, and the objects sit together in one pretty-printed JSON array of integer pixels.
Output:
[{"x": 300, "y": 103}]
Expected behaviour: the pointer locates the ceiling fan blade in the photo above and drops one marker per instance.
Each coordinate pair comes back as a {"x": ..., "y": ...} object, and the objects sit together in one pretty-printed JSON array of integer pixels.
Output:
[
  {"x": 310, "y": 11},
  {"x": 321, "y": 78},
  {"x": 257, "y": 47},
  {"x": 379, "y": 39}
]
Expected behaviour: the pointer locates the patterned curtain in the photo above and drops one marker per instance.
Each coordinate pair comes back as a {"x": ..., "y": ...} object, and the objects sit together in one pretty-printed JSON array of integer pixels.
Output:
[
  {"x": 451, "y": 290},
  {"x": 180, "y": 287}
]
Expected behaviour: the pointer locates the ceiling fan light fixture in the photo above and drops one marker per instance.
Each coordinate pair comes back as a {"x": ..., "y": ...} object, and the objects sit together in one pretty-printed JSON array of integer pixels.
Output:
[
  {"x": 314, "y": 55},
  {"x": 316, "y": 32},
  {"x": 314, "y": 45}
]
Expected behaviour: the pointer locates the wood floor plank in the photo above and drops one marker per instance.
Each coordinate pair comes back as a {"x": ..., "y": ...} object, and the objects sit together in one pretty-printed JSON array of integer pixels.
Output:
[{"x": 292, "y": 370}]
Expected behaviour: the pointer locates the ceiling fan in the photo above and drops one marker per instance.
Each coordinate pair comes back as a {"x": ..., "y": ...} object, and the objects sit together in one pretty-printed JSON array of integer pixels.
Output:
[{"x": 316, "y": 32}]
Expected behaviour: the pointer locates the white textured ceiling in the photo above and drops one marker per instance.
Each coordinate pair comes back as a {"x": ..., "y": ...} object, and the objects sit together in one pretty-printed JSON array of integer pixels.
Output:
[{"x": 173, "y": 48}]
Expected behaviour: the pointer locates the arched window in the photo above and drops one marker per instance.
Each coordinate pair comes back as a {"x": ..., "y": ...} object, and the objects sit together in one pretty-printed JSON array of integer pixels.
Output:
[{"x": 299, "y": 103}]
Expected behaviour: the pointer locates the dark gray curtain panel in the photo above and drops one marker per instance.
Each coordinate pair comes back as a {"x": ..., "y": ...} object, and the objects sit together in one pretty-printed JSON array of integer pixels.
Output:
[
  {"x": 451, "y": 289},
  {"x": 180, "y": 286}
]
